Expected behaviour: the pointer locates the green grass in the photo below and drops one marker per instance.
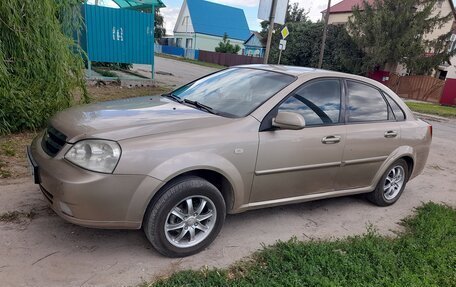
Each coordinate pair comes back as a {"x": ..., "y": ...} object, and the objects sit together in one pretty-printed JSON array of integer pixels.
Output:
[
  {"x": 211, "y": 65},
  {"x": 7, "y": 148},
  {"x": 424, "y": 254},
  {"x": 4, "y": 172},
  {"x": 432, "y": 109}
]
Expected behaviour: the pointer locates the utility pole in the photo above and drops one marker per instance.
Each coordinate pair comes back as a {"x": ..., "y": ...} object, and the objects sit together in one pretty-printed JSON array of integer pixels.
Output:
[
  {"x": 323, "y": 40},
  {"x": 271, "y": 28}
]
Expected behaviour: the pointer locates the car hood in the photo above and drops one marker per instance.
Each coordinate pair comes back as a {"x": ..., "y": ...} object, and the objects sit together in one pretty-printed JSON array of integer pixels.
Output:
[{"x": 122, "y": 119}]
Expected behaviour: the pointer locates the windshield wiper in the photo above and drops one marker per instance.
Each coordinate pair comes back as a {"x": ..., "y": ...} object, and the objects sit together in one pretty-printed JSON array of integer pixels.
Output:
[
  {"x": 190, "y": 102},
  {"x": 173, "y": 97},
  {"x": 200, "y": 106}
]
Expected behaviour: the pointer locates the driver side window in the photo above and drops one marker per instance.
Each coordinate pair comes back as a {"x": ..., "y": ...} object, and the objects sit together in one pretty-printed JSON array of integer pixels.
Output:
[{"x": 318, "y": 102}]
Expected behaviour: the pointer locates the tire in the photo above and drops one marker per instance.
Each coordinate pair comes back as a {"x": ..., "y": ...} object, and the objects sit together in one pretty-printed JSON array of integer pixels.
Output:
[
  {"x": 391, "y": 185},
  {"x": 177, "y": 228}
]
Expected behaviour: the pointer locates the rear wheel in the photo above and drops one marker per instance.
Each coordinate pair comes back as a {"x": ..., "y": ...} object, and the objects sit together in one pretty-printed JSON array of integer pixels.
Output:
[
  {"x": 391, "y": 185},
  {"x": 186, "y": 218}
]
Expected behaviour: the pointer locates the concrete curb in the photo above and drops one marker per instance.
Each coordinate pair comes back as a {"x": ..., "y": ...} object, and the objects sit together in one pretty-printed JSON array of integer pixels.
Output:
[{"x": 431, "y": 117}]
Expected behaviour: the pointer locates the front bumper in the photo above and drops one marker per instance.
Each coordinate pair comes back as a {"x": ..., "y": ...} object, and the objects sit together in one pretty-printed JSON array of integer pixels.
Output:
[{"x": 88, "y": 198}]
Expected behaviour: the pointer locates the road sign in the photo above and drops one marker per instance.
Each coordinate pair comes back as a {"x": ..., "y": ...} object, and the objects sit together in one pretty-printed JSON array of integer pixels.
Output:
[
  {"x": 285, "y": 32},
  {"x": 282, "y": 46},
  {"x": 264, "y": 11}
]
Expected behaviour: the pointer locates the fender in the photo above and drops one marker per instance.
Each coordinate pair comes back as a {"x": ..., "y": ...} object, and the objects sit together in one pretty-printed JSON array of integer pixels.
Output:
[
  {"x": 398, "y": 153},
  {"x": 186, "y": 162},
  {"x": 176, "y": 166}
]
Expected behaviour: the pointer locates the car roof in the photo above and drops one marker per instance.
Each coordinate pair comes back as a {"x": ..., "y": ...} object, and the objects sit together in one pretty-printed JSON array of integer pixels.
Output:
[
  {"x": 305, "y": 73},
  {"x": 292, "y": 70}
]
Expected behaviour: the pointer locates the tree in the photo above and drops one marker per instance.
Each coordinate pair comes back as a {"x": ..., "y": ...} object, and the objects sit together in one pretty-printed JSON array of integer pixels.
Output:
[
  {"x": 41, "y": 66},
  {"x": 159, "y": 29},
  {"x": 396, "y": 32},
  {"x": 225, "y": 46},
  {"x": 303, "y": 44},
  {"x": 341, "y": 52},
  {"x": 295, "y": 14}
]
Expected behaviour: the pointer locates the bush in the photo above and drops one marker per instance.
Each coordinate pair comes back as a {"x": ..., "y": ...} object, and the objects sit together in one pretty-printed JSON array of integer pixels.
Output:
[
  {"x": 225, "y": 46},
  {"x": 41, "y": 67}
]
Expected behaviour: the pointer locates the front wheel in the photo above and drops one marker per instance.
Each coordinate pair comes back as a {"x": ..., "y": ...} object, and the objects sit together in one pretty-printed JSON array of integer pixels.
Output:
[
  {"x": 186, "y": 218},
  {"x": 391, "y": 185}
]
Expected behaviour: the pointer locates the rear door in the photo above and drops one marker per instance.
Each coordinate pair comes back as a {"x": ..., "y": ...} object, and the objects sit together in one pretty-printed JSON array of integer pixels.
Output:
[
  {"x": 293, "y": 163},
  {"x": 373, "y": 133}
]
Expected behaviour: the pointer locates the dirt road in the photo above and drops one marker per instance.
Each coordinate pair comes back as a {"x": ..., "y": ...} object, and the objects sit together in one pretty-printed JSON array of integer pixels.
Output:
[
  {"x": 47, "y": 251},
  {"x": 172, "y": 72}
]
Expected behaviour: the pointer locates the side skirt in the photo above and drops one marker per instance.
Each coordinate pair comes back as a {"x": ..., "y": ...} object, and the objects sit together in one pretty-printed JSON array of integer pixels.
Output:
[{"x": 303, "y": 198}]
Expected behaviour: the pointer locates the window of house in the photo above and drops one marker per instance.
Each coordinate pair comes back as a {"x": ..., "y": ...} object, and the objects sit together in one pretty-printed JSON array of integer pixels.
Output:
[
  {"x": 318, "y": 102},
  {"x": 452, "y": 42},
  {"x": 189, "y": 43},
  {"x": 442, "y": 74},
  {"x": 365, "y": 103},
  {"x": 185, "y": 21}
]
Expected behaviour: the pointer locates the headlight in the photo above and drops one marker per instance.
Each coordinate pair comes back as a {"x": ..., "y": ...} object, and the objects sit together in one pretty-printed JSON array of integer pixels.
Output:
[{"x": 95, "y": 155}]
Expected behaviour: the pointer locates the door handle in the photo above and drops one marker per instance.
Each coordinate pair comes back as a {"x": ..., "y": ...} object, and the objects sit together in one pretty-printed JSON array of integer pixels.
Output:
[
  {"x": 331, "y": 139},
  {"x": 390, "y": 134}
]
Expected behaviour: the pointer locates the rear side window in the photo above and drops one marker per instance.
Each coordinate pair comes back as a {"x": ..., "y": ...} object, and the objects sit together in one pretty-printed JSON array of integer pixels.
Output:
[
  {"x": 318, "y": 102},
  {"x": 398, "y": 112},
  {"x": 365, "y": 103}
]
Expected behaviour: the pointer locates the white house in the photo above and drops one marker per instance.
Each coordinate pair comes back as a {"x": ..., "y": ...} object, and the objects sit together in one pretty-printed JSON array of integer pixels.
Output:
[{"x": 202, "y": 24}]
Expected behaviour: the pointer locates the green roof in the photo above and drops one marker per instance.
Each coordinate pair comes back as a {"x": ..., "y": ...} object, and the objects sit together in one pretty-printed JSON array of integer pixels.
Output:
[{"x": 138, "y": 4}]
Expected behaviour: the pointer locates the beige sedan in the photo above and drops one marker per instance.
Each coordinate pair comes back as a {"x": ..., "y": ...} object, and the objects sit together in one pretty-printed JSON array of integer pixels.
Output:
[{"x": 243, "y": 138}]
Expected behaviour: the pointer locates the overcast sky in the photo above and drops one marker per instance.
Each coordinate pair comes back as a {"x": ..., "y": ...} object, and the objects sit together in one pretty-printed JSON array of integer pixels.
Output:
[{"x": 250, "y": 7}]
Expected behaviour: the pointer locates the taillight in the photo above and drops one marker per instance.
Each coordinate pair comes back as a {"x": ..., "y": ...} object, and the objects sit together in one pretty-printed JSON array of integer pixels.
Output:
[{"x": 430, "y": 130}]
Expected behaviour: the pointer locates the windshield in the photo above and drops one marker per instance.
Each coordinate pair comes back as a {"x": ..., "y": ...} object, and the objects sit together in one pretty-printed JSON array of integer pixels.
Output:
[{"x": 235, "y": 92}]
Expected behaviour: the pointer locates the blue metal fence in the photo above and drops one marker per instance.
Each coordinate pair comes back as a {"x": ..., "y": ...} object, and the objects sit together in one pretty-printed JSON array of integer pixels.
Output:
[
  {"x": 177, "y": 51},
  {"x": 119, "y": 35},
  {"x": 191, "y": 54}
]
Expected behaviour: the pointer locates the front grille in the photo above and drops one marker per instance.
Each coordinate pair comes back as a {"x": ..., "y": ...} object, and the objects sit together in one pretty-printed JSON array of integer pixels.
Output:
[{"x": 53, "y": 141}]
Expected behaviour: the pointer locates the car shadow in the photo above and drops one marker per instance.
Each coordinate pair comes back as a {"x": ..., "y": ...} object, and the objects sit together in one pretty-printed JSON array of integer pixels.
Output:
[{"x": 254, "y": 227}]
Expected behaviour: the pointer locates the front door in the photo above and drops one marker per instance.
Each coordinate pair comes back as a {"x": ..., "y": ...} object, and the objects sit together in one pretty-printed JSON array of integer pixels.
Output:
[{"x": 294, "y": 163}]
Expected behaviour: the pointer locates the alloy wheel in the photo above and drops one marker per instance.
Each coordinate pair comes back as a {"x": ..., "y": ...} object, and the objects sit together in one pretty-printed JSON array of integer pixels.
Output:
[
  {"x": 394, "y": 182},
  {"x": 190, "y": 221}
]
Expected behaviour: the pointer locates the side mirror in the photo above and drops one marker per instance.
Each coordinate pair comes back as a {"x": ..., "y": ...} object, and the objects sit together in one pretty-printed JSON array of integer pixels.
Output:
[{"x": 289, "y": 121}]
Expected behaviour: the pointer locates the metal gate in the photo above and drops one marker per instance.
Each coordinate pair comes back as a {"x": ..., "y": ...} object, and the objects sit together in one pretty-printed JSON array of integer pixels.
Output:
[
  {"x": 422, "y": 88},
  {"x": 449, "y": 93}
]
